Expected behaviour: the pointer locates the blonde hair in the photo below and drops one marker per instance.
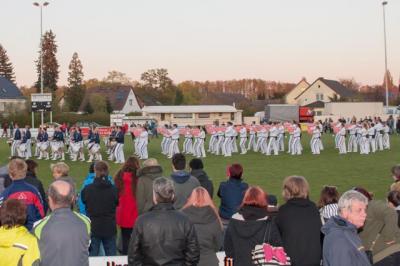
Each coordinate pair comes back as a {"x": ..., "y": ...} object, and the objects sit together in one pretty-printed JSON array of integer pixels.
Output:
[
  {"x": 150, "y": 162},
  {"x": 295, "y": 187},
  {"x": 17, "y": 169},
  {"x": 201, "y": 198},
  {"x": 60, "y": 168},
  {"x": 395, "y": 186}
]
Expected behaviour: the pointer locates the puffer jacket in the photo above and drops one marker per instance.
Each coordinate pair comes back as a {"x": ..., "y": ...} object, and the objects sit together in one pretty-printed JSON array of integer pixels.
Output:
[
  {"x": 204, "y": 180},
  {"x": 18, "y": 247},
  {"x": 163, "y": 236},
  {"x": 342, "y": 246},
  {"x": 144, "y": 188}
]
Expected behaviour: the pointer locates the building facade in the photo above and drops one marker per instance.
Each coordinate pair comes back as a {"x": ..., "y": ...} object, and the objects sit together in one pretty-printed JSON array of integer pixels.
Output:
[{"x": 193, "y": 114}]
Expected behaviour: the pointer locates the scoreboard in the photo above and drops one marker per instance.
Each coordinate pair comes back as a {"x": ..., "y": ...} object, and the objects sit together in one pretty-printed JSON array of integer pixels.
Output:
[{"x": 41, "y": 102}]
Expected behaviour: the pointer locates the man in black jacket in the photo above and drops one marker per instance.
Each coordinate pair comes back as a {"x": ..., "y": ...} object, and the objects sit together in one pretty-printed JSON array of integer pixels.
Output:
[
  {"x": 101, "y": 200},
  {"x": 163, "y": 236}
]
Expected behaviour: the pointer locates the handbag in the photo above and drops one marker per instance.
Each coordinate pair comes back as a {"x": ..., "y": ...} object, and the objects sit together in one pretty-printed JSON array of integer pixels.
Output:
[{"x": 268, "y": 255}]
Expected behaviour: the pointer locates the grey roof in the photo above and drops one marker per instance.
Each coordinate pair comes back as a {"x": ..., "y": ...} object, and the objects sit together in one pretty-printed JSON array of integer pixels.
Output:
[
  {"x": 8, "y": 90},
  {"x": 338, "y": 88}
]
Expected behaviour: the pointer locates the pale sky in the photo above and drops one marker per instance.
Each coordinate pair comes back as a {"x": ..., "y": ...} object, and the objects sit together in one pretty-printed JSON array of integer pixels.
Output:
[{"x": 209, "y": 39}]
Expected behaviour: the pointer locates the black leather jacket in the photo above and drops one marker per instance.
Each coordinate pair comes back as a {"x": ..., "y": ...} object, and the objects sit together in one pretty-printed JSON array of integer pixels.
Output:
[{"x": 163, "y": 236}]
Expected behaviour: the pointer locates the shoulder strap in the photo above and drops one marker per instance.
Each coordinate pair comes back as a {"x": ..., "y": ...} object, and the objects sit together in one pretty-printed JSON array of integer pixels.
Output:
[
  {"x": 267, "y": 231},
  {"x": 376, "y": 238}
]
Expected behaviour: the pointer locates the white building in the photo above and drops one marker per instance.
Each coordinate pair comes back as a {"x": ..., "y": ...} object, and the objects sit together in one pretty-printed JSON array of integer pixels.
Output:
[
  {"x": 193, "y": 114},
  {"x": 122, "y": 99}
]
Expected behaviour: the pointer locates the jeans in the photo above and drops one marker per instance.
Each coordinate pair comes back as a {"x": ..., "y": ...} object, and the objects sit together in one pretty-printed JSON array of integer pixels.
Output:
[{"x": 110, "y": 248}]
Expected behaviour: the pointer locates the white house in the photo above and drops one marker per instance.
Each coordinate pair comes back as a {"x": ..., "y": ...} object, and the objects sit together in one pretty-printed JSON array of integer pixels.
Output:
[
  {"x": 323, "y": 90},
  {"x": 290, "y": 97},
  {"x": 122, "y": 99},
  {"x": 11, "y": 98},
  {"x": 193, "y": 114}
]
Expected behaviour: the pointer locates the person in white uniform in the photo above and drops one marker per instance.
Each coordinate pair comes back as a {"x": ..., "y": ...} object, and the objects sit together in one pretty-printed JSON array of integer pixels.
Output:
[
  {"x": 386, "y": 136},
  {"x": 229, "y": 133},
  {"x": 379, "y": 134},
  {"x": 213, "y": 139},
  {"x": 281, "y": 137},
  {"x": 142, "y": 144},
  {"x": 342, "y": 139},
  {"x": 352, "y": 144},
  {"x": 371, "y": 137},
  {"x": 220, "y": 143},
  {"x": 315, "y": 139},
  {"x": 296, "y": 143},
  {"x": 273, "y": 140},
  {"x": 199, "y": 147},
  {"x": 252, "y": 137},
  {"x": 173, "y": 146},
  {"x": 243, "y": 139},
  {"x": 187, "y": 147}
]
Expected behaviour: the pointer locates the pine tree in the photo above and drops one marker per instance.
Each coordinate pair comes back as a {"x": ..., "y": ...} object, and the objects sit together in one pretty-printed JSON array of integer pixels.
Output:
[
  {"x": 50, "y": 64},
  {"x": 108, "y": 106},
  {"x": 88, "y": 108},
  {"x": 6, "y": 68},
  {"x": 75, "y": 92}
]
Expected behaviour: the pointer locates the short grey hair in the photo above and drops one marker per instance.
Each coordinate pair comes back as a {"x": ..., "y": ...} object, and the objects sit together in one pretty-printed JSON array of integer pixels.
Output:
[
  {"x": 347, "y": 199},
  {"x": 59, "y": 199},
  {"x": 163, "y": 189}
]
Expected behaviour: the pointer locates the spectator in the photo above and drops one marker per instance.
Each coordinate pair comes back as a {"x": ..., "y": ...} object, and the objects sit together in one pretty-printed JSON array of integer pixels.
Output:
[
  {"x": 231, "y": 193},
  {"x": 19, "y": 188},
  {"x": 101, "y": 200},
  {"x": 126, "y": 181},
  {"x": 380, "y": 233},
  {"x": 203, "y": 214},
  {"x": 163, "y": 236},
  {"x": 17, "y": 245},
  {"x": 342, "y": 245},
  {"x": 327, "y": 204},
  {"x": 59, "y": 170},
  {"x": 272, "y": 205},
  {"x": 32, "y": 179},
  {"x": 5, "y": 179},
  {"x": 88, "y": 180},
  {"x": 394, "y": 202},
  {"x": 196, "y": 170},
  {"x": 396, "y": 173},
  {"x": 299, "y": 223},
  {"x": 247, "y": 228},
  {"x": 63, "y": 235},
  {"x": 144, "y": 192},
  {"x": 184, "y": 183}
]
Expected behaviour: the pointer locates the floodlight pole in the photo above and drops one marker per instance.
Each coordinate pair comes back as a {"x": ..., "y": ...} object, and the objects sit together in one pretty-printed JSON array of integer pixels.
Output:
[
  {"x": 384, "y": 3},
  {"x": 41, "y": 51}
]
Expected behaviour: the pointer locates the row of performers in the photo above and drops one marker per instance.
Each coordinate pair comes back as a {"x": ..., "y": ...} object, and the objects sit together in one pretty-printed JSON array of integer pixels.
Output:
[
  {"x": 268, "y": 139},
  {"x": 54, "y": 144}
]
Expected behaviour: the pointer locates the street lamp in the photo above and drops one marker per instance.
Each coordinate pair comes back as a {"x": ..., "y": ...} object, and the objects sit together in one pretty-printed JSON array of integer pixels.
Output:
[
  {"x": 384, "y": 3},
  {"x": 41, "y": 5}
]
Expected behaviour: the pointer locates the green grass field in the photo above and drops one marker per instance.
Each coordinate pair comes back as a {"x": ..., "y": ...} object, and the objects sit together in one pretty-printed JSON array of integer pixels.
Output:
[{"x": 329, "y": 168}]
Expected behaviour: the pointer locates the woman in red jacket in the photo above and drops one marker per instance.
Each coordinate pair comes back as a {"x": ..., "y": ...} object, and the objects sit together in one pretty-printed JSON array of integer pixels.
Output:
[{"x": 126, "y": 214}]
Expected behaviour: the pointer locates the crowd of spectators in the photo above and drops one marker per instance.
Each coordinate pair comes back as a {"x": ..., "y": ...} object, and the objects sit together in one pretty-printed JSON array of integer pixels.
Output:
[{"x": 172, "y": 220}]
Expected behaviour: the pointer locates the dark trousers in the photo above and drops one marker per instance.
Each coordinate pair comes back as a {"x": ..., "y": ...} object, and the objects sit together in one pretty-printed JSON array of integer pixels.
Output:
[
  {"x": 392, "y": 260},
  {"x": 110, "y": 248},
  {"x": 126, "y": 236}
]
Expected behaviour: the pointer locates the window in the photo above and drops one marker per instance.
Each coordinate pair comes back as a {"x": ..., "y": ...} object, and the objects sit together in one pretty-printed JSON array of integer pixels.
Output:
[
  {"x": 183, "y": 115},
  {"x": 232, "y": 116},
  {"x": 204, "y": 115},
  {"x": 162, "y": 117},
  {"x": 130, "y": 102},
  {"x": 320, "y": 96},
  {"x": 220, "y": 114},
  {"x": 318, "y": 113}
]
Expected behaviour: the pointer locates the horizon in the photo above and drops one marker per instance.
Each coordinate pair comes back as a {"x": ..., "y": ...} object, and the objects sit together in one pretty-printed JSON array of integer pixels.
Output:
[{"x": 212, "y": 40}]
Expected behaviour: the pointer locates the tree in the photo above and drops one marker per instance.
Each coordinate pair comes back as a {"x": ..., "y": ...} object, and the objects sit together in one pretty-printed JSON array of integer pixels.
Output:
[
  {"x": 178, "y": 97},
  {"x": 50, "y": 64},
  {"x": 88, "y": 108},
  {"x": 109, "y": 108},
  {"x": 156, "y": 79},
  {"x": 351, "y": 84},
  {"x": 75, "y": 92},
  {"x": 117, "y": 77},
  {"x": 98, "y": 103},
  {"x": 6, "y": 67}
]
